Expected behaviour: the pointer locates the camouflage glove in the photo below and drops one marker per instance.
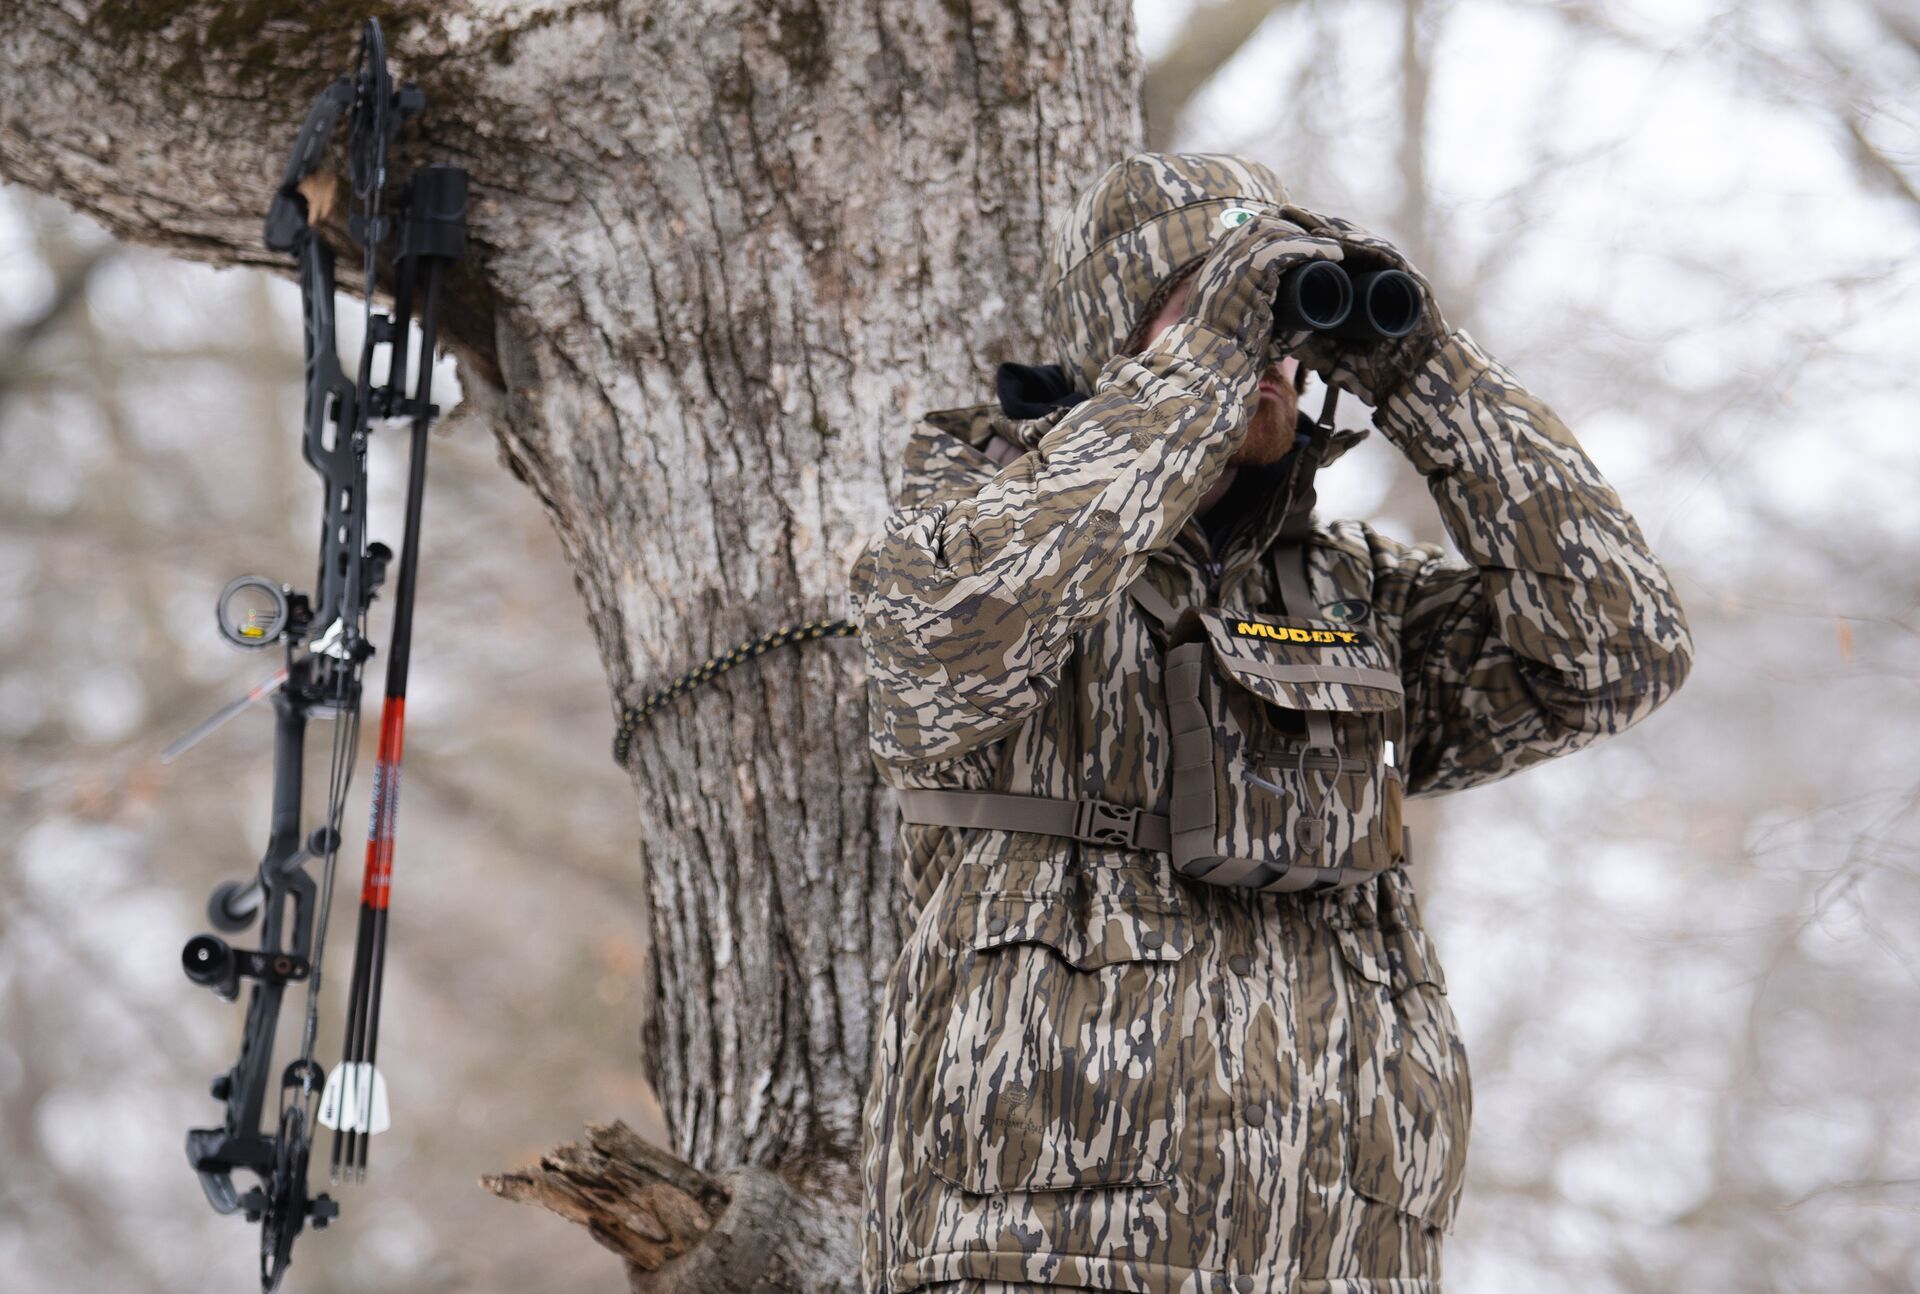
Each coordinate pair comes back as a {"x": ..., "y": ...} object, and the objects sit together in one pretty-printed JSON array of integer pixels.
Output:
[
  {"x": 1235, "y": 286},
  {"x": 1375, "y": 371}
]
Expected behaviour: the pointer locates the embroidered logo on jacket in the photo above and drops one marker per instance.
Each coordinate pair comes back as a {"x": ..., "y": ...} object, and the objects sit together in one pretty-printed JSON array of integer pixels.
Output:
[{"x": 1308, "y": 637}]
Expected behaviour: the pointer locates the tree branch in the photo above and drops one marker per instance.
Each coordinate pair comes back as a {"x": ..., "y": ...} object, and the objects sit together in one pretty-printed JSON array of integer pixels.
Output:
[
  {"x": 681, "y": 1231},
  {"x": 169, "y": 124},
  {"x": 1207, "y": 43}
]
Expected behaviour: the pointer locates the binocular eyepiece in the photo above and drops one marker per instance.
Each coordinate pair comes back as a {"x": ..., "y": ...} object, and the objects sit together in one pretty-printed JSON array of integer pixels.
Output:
[{"x": 1320, "y": 296}]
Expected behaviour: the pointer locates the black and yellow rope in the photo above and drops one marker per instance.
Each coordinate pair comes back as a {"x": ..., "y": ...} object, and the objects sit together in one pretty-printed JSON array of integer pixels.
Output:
[{"x": 635, "y": 715}]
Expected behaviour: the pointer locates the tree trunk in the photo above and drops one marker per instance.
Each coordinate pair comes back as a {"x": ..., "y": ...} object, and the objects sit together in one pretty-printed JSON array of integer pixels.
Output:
[{"x": 723, "y": 254}]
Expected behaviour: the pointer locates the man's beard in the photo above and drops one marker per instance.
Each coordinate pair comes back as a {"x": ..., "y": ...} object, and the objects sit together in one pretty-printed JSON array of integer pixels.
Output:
[{"x": 1270, "y": 434}]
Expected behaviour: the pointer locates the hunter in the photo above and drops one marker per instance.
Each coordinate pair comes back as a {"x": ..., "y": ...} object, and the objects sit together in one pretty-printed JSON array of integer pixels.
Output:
[{"x": 1167, "y": 1019}]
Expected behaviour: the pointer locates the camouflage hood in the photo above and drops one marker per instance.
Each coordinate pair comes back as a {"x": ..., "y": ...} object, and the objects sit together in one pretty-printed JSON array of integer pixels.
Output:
[{"x": 1128, "y": 240}]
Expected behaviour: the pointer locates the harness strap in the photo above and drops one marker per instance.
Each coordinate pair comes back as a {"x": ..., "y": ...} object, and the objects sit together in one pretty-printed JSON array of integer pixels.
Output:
[
  {"x": 1095, "y": 821},
  {"x": 1297, "y": 598},
  {"x": 1150, "y": 600},
  {"x": 1099, "y": 822}
]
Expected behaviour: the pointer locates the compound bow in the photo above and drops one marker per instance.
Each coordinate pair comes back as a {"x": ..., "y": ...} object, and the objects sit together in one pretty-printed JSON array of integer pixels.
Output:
[{"x": 324, "y": 635}]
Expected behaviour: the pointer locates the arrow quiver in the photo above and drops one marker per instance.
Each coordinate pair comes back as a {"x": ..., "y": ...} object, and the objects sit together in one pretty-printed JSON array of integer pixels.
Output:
[{"x": 267, "y": 1126}]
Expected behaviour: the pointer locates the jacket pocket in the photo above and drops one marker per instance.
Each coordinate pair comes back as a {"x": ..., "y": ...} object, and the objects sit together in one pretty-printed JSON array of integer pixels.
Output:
[
  {"x": 1412, "y": 1096},
  {"x": 1059, "y": 1066},
  {"x": 1283, "y": 772}
]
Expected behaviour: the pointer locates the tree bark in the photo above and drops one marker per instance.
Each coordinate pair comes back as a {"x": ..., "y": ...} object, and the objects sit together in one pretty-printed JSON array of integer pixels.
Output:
[
  {"x": 723, "y": 252},
  {"x": 682, "y": 1232}
]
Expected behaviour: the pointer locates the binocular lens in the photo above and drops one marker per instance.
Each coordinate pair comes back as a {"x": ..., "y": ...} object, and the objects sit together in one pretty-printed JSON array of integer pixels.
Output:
[
  {"x": 1321, "y": 297},
  {"x": 1316, "y": 296},
  {"x": 1390, "y": 302}
]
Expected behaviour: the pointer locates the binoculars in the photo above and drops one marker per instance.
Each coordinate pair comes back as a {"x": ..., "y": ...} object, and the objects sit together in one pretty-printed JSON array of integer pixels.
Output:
[{"x": 1320, "y": 296}]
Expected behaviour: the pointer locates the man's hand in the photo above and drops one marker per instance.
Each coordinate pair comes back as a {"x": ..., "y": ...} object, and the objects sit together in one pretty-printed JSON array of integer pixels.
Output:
[
  {"x": 1373, "y": 370},
  {"x": 1235, "y": 286}
]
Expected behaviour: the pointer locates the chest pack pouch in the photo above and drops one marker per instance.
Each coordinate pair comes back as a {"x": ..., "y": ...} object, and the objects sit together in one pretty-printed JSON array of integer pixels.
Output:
[
  {"x": 1282, "y": 741},
  {"x": 1283, "y": 732}
]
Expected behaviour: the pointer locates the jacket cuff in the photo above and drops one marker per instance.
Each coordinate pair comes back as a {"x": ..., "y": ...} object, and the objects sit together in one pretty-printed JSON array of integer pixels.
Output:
[
  {"x": 1419, "y": 410},
  {"x": 1208, "y": 347},
  {"x": 1195, "y": 344}
]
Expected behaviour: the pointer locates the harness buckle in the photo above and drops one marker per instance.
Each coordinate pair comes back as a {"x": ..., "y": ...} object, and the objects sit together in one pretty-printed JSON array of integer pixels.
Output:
[{"x": 1101, "y": 823}]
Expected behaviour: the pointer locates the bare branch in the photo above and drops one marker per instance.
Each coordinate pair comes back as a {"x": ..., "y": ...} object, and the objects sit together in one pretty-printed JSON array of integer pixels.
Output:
[{"x": 1211, "y": 37}]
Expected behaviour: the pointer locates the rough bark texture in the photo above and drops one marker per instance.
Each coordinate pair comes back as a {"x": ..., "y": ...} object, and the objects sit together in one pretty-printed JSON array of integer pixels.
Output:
[
  {"x": 638, "y": 1201},
  {"x": 723, "y": 253}
]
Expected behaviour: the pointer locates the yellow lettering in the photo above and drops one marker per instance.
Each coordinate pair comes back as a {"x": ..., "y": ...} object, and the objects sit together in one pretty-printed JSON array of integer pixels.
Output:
[{"x": 1297, "y": 634}]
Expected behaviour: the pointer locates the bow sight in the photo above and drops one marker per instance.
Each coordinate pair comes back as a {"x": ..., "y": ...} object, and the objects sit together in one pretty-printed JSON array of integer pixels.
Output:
[{"x": 324, "y": 636}]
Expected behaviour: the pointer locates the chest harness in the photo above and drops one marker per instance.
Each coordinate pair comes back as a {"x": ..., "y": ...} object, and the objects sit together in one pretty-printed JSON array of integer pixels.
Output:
[{"x": 1283, "y": 731}]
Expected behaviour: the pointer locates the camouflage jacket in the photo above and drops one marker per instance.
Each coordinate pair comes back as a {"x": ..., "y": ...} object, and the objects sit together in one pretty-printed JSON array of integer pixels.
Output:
[{"x": 1090, "y": 1071}]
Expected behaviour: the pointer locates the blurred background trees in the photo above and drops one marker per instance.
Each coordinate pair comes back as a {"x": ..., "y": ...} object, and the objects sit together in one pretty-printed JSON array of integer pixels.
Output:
[{"x": 1686, "y": 960}]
